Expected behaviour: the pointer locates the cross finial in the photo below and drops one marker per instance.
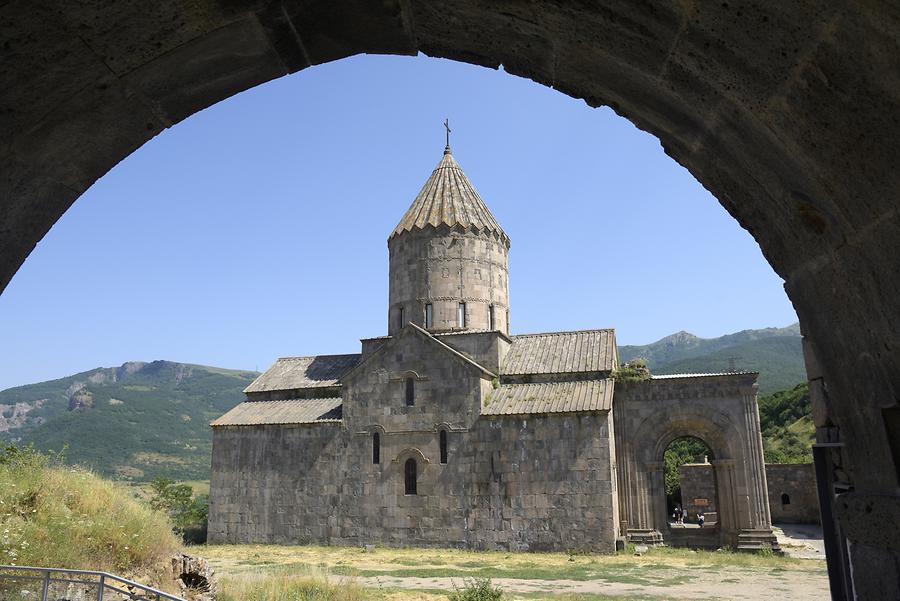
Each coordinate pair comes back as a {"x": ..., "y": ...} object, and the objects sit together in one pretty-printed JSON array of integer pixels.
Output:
[{"x": 447, "y": 127}]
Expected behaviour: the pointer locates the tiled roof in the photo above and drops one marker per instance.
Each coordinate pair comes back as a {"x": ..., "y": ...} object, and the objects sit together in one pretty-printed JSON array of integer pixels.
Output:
[
  {"x": 302, "y": 411},
  {"x": 448, "y": 198},
  {"x": 551, "y": 397},
  {"x": 561, "y": 352},
  {"x": 304, "y": 372},
  {"x": 703, "y": 375}
]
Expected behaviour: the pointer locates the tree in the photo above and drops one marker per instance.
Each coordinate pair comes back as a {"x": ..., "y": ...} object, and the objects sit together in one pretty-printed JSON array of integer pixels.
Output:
[{"x": 188, "y": 513}]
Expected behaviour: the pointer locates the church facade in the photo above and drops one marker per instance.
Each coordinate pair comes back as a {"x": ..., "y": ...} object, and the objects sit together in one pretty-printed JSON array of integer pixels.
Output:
[{"x": 450, "y": 431}]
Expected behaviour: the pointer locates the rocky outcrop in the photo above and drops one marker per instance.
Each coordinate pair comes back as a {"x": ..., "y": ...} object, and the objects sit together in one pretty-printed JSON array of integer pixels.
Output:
[
  {"x": 79, "y": 397},
  {"x": 15, "y": 416},
  {"x": 111, "y": 375},
  {"x": 183, "y": 372}
]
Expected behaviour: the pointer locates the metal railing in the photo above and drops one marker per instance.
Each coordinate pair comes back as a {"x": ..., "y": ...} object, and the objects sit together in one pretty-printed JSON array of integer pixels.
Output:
[{"x": 98, "y": 583}]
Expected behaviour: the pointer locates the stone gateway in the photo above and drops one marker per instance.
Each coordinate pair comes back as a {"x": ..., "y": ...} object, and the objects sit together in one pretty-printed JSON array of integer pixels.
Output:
[{"x": 450, "y": 431}]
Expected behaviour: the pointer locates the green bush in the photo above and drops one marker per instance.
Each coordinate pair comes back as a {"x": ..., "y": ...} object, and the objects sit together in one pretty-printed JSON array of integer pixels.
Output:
[
  {"x": 477, "y": 589},
  {"x": 635, "y": 370}
]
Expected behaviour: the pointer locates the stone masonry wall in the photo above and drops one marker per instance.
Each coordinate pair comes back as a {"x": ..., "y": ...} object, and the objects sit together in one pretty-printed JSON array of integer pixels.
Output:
[
  {"x": 274, "y": 484},
  {"x": 537, "y": 483},
  {"x": 697, "y": 482},
  {"x": 798, "y": 482}
]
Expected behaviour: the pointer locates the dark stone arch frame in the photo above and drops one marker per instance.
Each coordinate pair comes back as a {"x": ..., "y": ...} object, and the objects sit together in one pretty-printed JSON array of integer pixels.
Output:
[{"x": 785, "y": 112}]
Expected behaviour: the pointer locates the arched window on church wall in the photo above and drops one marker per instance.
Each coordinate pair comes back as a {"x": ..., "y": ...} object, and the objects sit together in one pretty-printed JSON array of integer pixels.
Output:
[
  {"x": 443, "y": 442},
  {"x": 410, "y": 475},
  {"x": 376, "y": 448},
  {"x": 785, "y": 499}
]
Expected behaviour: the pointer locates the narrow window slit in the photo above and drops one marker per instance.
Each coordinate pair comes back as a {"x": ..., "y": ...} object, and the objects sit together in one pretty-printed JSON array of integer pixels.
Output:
[
  {"x": 410, "y": 392},
  {"x": 410, "y": 476}
]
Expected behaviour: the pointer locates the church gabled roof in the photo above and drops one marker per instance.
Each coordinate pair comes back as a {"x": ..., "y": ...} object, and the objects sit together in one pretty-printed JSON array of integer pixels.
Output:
[
  {"x": 551, "y": 397},
  {"x": 293, "y": 411},
  {"x": 561, "y": 352},
  {"x": 448, "y": 198},
  {"x": 290, "y": 373}
]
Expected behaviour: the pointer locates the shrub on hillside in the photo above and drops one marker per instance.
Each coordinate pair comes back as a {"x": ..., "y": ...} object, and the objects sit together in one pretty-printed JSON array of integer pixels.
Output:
[{"x": 57, "y": 516}]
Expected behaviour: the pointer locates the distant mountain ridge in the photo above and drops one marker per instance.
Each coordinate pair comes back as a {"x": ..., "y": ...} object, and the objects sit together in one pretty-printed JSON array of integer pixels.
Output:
[
  {"x": 774, "y": 352},
  {"x": 136, "y": 421}
]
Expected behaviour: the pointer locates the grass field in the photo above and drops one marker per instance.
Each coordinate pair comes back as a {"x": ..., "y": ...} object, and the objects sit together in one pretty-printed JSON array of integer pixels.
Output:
[{"x": 247, "y": 571}]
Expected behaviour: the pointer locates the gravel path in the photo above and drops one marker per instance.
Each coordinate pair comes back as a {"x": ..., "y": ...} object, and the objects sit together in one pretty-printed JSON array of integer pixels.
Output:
[{"x": 731, "y": 584}]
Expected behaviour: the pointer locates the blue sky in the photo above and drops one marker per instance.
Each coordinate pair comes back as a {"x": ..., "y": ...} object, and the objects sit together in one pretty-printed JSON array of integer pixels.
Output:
[{"x": 257, "y": 228}]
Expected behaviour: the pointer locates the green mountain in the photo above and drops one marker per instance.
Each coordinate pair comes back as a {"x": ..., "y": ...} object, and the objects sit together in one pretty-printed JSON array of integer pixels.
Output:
[
  {"x": 137, "y": 421},
  {"x": 775, "y": 353}
]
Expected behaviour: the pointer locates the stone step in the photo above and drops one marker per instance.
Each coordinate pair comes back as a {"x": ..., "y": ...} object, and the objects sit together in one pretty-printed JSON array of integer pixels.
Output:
[
  {"x": 758, "y": 540},
  {"x": 694, "y": 538}
]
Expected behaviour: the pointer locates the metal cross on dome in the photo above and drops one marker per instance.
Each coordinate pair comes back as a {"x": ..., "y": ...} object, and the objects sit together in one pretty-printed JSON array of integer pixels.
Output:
[{"x": 447, "y": 127}]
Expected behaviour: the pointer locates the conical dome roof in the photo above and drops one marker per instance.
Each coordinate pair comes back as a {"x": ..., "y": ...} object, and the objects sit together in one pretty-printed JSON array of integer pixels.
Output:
[{"x": 448, "y": 198}]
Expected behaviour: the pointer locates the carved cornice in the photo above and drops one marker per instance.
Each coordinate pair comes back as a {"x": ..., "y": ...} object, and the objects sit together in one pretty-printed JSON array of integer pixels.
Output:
[{"x": 463, "y": 298}]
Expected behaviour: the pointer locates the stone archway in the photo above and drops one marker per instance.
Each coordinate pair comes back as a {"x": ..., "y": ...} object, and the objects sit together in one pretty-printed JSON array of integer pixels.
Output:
[
  {"x": 786, "y": 113},
  {"x": 719, "y": 410}
]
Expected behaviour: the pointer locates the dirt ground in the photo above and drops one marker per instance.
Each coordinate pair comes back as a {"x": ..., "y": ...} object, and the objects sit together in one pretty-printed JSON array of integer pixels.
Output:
[
  {"x": 728, "y": 584},
  {"x": 426, "y": 573},
  {"x": 803, "y": 541}
]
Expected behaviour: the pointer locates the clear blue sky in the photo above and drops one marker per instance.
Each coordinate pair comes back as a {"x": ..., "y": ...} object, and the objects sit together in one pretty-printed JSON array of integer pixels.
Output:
[{"x": 257, "y": 228}]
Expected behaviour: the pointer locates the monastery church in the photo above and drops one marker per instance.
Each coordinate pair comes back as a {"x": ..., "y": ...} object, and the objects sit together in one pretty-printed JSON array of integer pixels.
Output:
[{"x": 451, "y": 431}]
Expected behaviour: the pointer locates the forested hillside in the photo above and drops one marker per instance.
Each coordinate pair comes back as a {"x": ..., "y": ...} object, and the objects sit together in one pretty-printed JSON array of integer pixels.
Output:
[
  {"x": 787, "y": 427},
  {"x": 137, "y": 421}
]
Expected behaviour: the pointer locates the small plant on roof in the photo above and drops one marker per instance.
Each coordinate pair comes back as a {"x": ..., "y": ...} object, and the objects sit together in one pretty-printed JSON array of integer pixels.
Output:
[{"x": 635, "y": 370}]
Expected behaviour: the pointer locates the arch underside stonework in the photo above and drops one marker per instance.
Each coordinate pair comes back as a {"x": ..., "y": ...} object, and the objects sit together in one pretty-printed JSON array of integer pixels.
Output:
[
  {"x": 786, "y": 112},
  {"x": 723, "y": 413}
]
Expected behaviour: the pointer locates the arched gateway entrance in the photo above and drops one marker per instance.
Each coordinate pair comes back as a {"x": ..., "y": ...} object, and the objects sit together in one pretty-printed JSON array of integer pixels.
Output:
[
  {"x": 724, "y": 414},
  {"x": 786, "y": 112}
]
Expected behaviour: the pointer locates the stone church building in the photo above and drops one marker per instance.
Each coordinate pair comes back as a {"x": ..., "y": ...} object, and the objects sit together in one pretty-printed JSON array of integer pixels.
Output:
[{"x": 451, "y": 431}]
